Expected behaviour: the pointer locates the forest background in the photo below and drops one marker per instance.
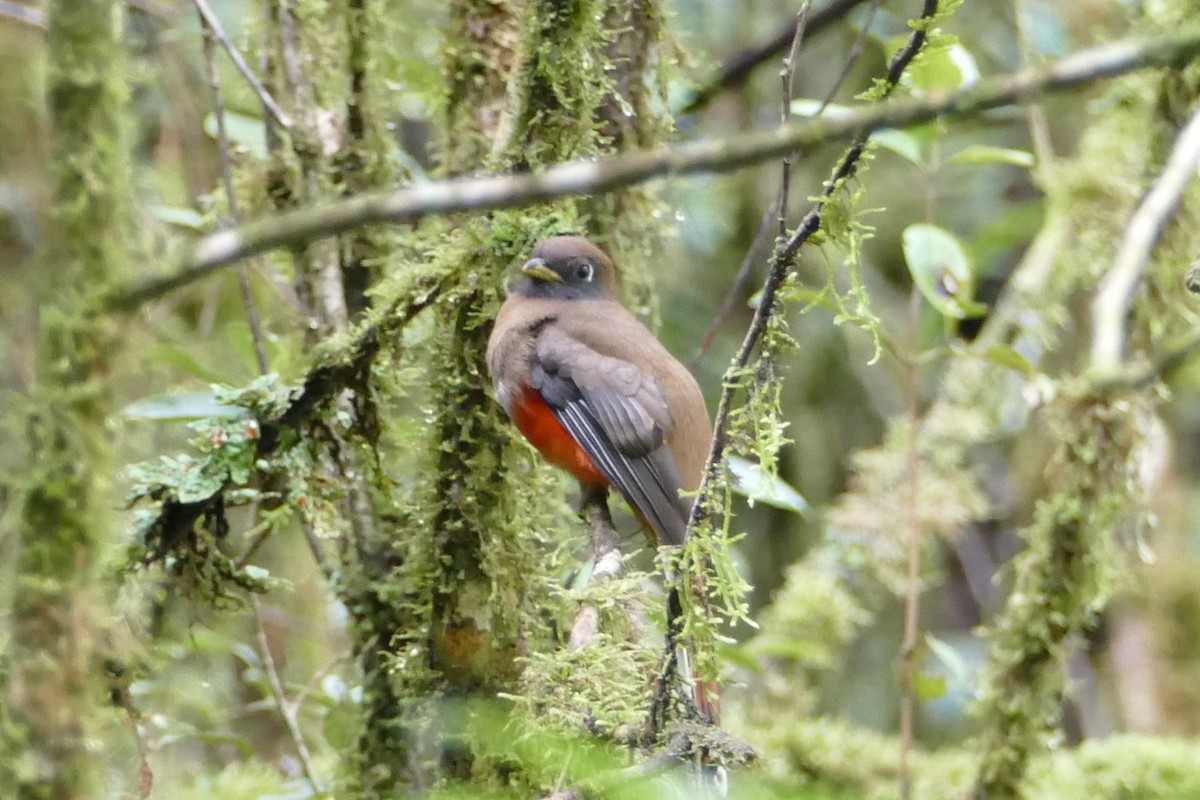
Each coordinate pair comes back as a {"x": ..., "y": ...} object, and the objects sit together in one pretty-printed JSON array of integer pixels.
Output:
[{"x": 265, "y": 533}]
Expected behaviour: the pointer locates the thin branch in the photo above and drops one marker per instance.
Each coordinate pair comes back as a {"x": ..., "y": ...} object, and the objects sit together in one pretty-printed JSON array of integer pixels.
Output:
[
  {"x": 912, "y": 506},
  {"x": 1039, "y": 126},
  {"x": 737, "y": 69},
  {"x": 24, "y": 15},
  {"x": 36, "y": 17},
  {"x": 602, "y": 175},
  {"x": 786, "y": 77},
  {"x": 214, "y": 81},
  {"x": 1116, "y": 291},
  {"x": 856, "y": 51},
  {"x": 1161, "y": 366},
  {"x": 206, "y": 13},
  {"x": 782, "y": 264},
  {"x": 737, "y": 287},
  {"x": 287, "y": 709}
]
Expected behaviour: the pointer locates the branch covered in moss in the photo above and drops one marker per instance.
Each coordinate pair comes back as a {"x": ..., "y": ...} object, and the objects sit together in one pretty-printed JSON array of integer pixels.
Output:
[
  {"x": 1064, "y": 576},
  {"x": 593, "y": 176},
  {"x": 275, "y": 422},
  {"x": 782, "y": 263},
  {"x": 1115, "y": 295}
]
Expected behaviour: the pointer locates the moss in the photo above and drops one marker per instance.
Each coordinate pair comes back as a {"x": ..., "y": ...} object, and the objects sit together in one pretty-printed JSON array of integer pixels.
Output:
[
  {"x": 831, "y": 756},
  {"x": 1063, "y": 577},
  {"x": 52, "y": 688}
]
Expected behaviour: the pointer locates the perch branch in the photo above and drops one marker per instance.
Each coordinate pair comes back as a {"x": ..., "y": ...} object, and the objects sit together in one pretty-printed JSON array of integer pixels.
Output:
[
  {"x": 602, "y": 175},
  {"x": 606, "y": 564},
  {"x": 1116, "y": 291}
]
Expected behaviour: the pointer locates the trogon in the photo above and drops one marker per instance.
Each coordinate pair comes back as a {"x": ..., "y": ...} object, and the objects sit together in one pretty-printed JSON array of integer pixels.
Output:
[{"x": 594, "y": 391}]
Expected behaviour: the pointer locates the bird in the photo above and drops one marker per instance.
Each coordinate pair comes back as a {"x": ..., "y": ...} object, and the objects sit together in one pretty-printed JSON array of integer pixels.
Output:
[
  {"x": 598, "y": 395},
  {"x": 595, "y": 391}
]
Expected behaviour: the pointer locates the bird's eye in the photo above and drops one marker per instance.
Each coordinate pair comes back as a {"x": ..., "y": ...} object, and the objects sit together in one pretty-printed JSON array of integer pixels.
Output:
[{"x": 583, "y": 271}]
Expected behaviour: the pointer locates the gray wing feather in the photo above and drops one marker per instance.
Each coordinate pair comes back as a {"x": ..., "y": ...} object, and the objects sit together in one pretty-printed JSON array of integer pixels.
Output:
[{"x": 620, "y": 417}]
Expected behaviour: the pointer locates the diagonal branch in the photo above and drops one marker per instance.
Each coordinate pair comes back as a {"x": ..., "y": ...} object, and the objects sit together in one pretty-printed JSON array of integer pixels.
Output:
[
  {"x": 602, "y": 175},
  {"x": 738, "y": 68},
  {"x": 783, "y": 260},
  {"x": 1112, "y": 301},
  {"x": 235, "y": 55}
]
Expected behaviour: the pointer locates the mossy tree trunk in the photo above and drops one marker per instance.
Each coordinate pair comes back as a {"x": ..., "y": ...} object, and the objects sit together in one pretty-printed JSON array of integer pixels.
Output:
[{"x": 53, "y": 689}]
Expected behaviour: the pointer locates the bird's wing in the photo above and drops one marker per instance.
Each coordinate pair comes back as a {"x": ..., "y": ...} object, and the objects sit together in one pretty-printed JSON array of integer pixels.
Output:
[{"x": 620, "y": 416}]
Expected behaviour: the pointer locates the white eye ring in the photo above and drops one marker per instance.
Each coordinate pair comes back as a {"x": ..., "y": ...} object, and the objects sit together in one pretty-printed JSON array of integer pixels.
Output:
[{"x": 584, "y": 271}]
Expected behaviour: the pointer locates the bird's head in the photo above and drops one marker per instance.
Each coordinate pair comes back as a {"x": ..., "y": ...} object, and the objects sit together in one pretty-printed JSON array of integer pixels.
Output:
[{"x": 567, "y": 268}]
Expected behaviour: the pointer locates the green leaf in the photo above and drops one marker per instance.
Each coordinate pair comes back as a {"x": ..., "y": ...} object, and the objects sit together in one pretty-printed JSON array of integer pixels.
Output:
[
  {"x": 942, "y": 69},
  {"x": 180, "y": 217},
  {"x": 245, "y": 133},
  {"x": 183, "y": 405},
  {"x": 184, "y": 361},
  {"x": 342, "y": 725},
  {"x": 939, "y": 267},
  {"x": 950, "y": 658},
  {"x": 899, "y": 142},
  {"x": 929, "y": 687},
  {"x": 986, "y": 154},
  {"x": 753, "y": 482},
  {"x": 1007, "y": 357}
]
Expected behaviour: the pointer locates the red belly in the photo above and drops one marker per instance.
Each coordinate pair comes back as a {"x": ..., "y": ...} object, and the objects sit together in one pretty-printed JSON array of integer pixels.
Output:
[{"x": 534, "y": 418}]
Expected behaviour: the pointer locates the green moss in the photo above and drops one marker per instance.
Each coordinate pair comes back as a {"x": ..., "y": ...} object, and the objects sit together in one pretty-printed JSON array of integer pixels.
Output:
[
  {"x": 65, "y": 524},
  {"x": 828, "y": 755},
  {"x": 1063, "y": 577}
]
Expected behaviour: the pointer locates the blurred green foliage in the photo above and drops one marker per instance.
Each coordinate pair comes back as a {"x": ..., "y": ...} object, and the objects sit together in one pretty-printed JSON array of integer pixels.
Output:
[{"x": 955, "y": 208}]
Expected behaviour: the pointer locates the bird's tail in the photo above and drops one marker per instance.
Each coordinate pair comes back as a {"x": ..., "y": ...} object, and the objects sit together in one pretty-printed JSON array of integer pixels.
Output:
[{"x": 705, "y": 693}]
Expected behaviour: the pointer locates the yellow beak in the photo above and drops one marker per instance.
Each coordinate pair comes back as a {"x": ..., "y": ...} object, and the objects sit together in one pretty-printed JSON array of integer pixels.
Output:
[{"x": 536, "y": 268}]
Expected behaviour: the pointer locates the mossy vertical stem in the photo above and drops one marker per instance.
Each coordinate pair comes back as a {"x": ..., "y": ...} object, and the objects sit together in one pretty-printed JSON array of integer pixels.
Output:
[{"x": 53, "y": 693}]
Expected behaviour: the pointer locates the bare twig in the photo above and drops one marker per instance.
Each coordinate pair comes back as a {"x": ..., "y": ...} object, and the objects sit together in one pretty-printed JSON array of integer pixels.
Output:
[
  {"x": 737, "y": 287},
  {"x": 603, "y": 175},
  {"x": 1039, "y": 127},
  {"x": 738, "y": 68},
  {"x": 33, "y": 17},
  {"x": 1113, "y": 299},
  {"x": 1161, "y": 365},
  {"x": 912, "y": 594},
  {"x": 287, "y": 709},
  {"x": 210, "y": 19},
  {"x": 856, "y": 50},
  {"x": 36, "y": 17},
  {"x": 786, "y": 76},
  {"x": 743, "y": 274},
  {"x": 214, "y": 80},
  {"x": 781, "y": 266}
]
